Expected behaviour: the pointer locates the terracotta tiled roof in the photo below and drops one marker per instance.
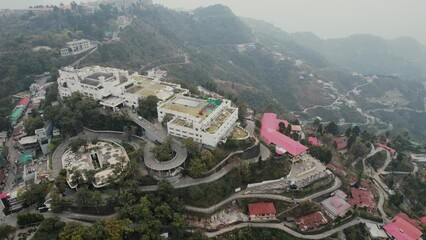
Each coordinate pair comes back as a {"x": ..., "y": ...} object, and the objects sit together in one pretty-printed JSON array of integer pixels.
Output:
[
  {"x": 261, "y": 208},
  {"x": 362, "y": 198}
]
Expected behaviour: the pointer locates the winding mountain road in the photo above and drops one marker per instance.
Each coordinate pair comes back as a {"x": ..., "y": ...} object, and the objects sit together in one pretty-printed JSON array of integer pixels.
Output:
[
  {"x": 290, "y": 231},
  {"x": 242, "y": 195}
]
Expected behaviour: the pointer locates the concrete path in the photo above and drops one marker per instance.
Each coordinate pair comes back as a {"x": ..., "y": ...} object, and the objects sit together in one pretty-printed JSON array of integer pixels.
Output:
[
  {"x": 242, "y": 195},
  {"x": 288, "y": 230}
]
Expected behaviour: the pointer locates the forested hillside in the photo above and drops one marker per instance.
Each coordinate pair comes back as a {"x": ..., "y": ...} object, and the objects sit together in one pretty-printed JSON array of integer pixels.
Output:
[
  {"x": 244, "y": 59},
  {"x": 402, "y": 57}
]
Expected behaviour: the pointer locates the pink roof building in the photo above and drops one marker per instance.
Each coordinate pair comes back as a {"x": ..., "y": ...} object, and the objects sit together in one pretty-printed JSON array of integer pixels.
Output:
[
  {"x": 313, "y": 141},
  {"x": 401, "y": 229},
  {"x": 24, "y": 102},
  {"x": 269, "y": 132},
  {"x": 391, "y": 150},
  {"x": 423, "y": 220},
  {"x": 341, "y": 142}
]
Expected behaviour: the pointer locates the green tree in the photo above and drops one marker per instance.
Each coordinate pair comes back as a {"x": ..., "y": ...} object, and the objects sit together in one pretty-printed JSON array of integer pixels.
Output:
[
  {"x": 322, "y": 153},
  {"x": 72, "y": 231},
  {"x": 356, "y": 131},
  {"x": 396, "y": 199},
  {"x": 332, "y": 128},
  {"x": 32, "y": 123},
  {"x": 319, "y": 129},
  {"x": 29, "y": 218},
  {"x": 281, "y": 127},
  {"x": 207, "y": 157},
  {"x": 34, "y": 193},
  {"x": 117, "y": 229},
  {"x": 148, "y": 107},
  {"x": 348, "y": 132},
  {"x": 76, "y": 143},
  {"x": 197, "y": 167},
  {"x": 191, "y": 146},
  {"x": 7, "y": 231},
  {"x": 49, "y": 229}
]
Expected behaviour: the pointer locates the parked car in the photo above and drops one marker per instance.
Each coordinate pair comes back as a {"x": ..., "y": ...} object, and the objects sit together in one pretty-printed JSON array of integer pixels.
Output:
[{"x": 43, "y": 209}]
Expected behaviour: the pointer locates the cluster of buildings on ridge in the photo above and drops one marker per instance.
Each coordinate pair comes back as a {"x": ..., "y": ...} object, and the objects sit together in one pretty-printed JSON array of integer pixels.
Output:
[
  {"x": 26, "y": 153},
  {"x": 207, "y": 121},
  {"x": 401, "y": 227},
  {"x": 85, "y": 7}
]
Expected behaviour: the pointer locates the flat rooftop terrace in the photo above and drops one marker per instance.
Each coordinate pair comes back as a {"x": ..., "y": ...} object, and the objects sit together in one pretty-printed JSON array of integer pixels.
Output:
[
  {"x": 146, "y": 87},
  {"x": 181, "y": 123},
  {"x": 195, "y": 107},
  {"x": 217, "y": 123}
]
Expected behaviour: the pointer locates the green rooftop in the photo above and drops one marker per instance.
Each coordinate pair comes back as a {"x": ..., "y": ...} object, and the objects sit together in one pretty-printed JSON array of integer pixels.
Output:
[
  {"x": 26, "y": 157},
  {"x": 17, "y": 113}
]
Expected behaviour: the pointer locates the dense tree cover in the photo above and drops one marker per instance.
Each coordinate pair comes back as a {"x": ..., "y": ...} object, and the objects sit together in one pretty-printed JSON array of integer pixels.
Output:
[
  {"x": 414, "y": 188},
  {"x": 164, "y": 151},
  {"x": 148, "y": 107},
  {"x": 144, "y": 218},
  {"x": 358, "y": 149},
  {"x": 32, "y": 123},
  {"x": 78, "y": 111},
  {"x": 77, "y": 143},
  {"x": 205, "y": 195},
  {"x": 7, "y": 232},
  {"x": 29, "y": 218},
  {"x": 332, "y": 128},
  {"x": 377, "y": 160},
  {"x": 85, "y": 197},
  {"x": 356, "y": 232},
  {"x": 322, "y": 153},
  {"x": 49, "y": 229},
  {"x": 34, "y": 193}
]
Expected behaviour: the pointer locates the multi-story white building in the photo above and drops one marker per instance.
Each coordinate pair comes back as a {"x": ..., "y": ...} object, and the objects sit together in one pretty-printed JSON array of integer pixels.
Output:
[
  {"x": 205, "y": 121},
  {"x": 77, "y": 46},
  {"x": 113, "y": 87}
]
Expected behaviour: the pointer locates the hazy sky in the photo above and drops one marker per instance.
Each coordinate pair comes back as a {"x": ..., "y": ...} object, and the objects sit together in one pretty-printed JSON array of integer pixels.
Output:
[{"x": 326, "y": 18}]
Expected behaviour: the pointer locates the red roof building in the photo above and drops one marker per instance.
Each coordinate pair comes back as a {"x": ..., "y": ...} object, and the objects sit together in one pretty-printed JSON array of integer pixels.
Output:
[
  {"x": 423, "y": 220},
  {"x": 408, "y": 219},
  {"x": 313, "y": 141},
  {"x": 262, "y": 211},
  {"x": 362, "y": 199},
  {"x": 341, "y": 142},
  {"x": 401, "y": 229},
  {"x": 24, "y": 102},
  {"x": 269, "y": 132},
  {"x": 311, "y": 221}
]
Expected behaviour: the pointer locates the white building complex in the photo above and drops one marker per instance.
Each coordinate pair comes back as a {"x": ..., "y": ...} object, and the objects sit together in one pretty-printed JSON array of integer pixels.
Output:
[
  {"x": 113, "y": 87},
  {"x": 76, "y": 47},
  {"x": 205, "y": 121}
]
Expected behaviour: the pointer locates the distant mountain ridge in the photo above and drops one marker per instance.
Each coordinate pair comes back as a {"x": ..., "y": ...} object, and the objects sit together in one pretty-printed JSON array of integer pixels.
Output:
[{"x": 402, "y": 57}]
